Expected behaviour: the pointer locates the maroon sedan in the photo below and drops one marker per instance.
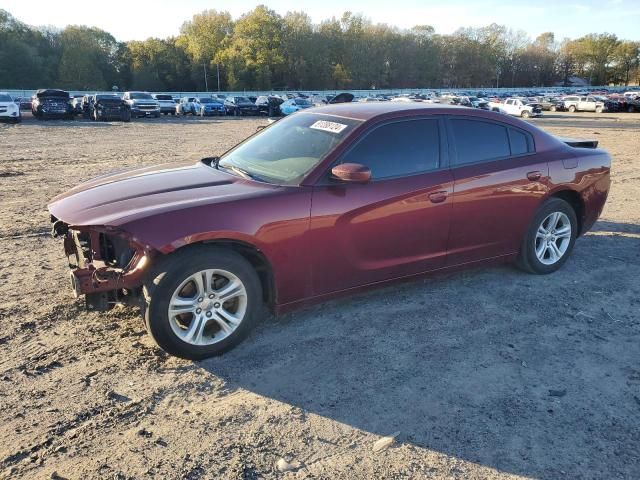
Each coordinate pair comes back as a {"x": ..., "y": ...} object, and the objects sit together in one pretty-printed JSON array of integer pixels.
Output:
[{"x": 323, "y": 203}]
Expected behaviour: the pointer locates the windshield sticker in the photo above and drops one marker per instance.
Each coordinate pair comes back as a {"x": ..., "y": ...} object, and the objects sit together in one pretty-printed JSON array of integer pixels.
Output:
[{"x": 332, "y": 127}]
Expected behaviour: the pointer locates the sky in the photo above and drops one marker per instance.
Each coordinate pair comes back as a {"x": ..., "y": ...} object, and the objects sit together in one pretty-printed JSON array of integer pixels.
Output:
[{"x": 140, "y": 19}]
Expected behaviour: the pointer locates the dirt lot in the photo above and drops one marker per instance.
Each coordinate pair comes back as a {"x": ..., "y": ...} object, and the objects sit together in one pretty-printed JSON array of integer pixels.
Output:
[{"x": 486, "y": 374}]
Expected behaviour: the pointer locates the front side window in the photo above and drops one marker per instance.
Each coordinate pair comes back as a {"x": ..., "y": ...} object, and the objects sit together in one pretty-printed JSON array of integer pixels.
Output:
[
  {"x": 398, "y": 149},
  {"x": 477, "y": 141}
]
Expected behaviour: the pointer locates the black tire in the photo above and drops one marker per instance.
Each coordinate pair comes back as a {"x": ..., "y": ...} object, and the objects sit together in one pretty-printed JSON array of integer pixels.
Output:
[
  {"x": 527, "y": 258},
  {"x": 167, "y": 277}
]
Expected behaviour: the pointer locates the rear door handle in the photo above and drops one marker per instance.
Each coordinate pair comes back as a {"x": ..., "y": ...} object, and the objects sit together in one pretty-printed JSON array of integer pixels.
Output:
[
  {"x": 438, "y": 197},
  {"x": 535, "y": 175}
]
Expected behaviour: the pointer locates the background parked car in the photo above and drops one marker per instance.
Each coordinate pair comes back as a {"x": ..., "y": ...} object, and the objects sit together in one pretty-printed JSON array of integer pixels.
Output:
[
  {"x": 76, "y": 103},
  {"x": 295, "y": 104},
  {"x": 583, "y": 104},
  {"x": 551, "y": 104},
  {"x": 167, "y": 105},
  {"x": 109, "y": 107},
  {"x": 9, "y": 109},
  {"x": 240, "y": 106},
  {"x": 186, "y": 105},
  {"x": 24, "y": 103},
  {"x": 51, "y": 103},
  {"x": 207, "y": 106},
  {"x": 269, "y": 105},
  {"x": 142, "y": 104},
  {"x": 519, "y": 107}
]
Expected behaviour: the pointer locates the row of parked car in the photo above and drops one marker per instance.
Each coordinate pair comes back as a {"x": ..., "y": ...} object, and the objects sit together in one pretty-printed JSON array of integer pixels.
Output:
[{"x": 55, "y": 103}]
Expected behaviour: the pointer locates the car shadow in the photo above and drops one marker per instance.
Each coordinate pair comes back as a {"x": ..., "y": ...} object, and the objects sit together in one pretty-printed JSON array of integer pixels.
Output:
[{"x": 531, "y": 375}]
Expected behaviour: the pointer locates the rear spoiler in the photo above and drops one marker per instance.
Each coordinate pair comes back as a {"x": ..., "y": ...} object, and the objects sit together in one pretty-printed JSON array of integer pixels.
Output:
[{"x": 576, "y": 143}]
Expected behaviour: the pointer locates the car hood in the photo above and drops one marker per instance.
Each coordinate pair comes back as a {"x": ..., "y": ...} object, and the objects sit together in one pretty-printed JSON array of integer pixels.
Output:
[{"x": 119, "y": 198}]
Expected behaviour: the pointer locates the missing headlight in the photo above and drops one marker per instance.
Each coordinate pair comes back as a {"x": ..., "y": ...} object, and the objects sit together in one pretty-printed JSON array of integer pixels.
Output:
[{"x": 115, "y": 251}]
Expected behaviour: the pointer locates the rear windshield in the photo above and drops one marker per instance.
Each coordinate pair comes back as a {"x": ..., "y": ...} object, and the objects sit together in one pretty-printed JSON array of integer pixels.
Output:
[
  {"x": 290, "y": 148},
  {"x": 164, "y": 97},
  {"x": 206, "y": 100}
]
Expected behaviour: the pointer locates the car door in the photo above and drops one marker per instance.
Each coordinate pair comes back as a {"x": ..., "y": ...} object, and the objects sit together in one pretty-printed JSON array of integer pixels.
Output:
[
  {"x": 395, "y": 225},
  {"x": 499, "y": 182}
]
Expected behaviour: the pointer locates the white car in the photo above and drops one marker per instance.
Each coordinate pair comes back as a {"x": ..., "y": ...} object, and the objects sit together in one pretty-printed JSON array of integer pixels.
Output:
[{"x": 9, "y": 110}]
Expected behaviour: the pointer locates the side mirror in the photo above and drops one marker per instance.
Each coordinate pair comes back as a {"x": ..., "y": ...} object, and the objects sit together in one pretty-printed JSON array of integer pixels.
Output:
[{"x": 351, "y": 172}]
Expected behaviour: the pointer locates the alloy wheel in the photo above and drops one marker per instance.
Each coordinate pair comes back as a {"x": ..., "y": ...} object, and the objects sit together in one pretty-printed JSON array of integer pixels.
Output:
[
  {"x": 553, "y": 238},
  {"x": 207, "y": 307}
]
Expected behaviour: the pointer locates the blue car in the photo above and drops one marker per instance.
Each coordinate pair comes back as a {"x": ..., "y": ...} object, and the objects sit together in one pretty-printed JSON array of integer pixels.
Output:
[
  {"x": 206, "y": 106},
  {"x": 294, "y": 104}
]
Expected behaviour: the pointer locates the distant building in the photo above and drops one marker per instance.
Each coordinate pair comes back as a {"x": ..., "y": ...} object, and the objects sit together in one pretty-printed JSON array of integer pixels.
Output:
[{"x": 573, "y": 82}]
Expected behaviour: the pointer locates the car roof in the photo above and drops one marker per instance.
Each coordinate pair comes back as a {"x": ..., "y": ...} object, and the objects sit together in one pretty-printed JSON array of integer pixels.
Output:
[{"x": 369, "y": 110}]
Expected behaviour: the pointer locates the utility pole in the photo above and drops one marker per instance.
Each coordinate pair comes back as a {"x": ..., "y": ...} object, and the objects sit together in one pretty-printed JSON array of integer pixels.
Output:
[
  {"x": 218, "y": 69},
  {"x": 206, "y": 86}
]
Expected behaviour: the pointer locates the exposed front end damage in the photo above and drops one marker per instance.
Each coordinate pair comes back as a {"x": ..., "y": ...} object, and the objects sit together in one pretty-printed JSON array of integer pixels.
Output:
[{"x": 106, "y": 264}]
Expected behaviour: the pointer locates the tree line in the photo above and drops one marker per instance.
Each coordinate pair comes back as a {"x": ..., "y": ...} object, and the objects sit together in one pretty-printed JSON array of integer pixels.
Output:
[{"x": 263, "y": 50}]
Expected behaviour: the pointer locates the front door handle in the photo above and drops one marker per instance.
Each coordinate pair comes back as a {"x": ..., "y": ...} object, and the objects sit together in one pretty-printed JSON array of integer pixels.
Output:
[
  {"x": 534, "y": 176},
  {"x": 438, "y": 197}
]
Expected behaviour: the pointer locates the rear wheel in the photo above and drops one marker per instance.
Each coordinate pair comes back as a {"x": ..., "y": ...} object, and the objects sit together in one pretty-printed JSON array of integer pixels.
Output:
[
  {"x": 202, "y": 302},
  {"x": 572, "y": 108},
  {"x": 550, "y": 238},
  {"x": 525, "y": 114},
  {"x": 552, "y": 108}
]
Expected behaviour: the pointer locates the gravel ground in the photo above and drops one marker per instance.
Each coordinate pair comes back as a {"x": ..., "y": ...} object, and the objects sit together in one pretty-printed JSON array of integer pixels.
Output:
[{"x": 485, "y": 374}]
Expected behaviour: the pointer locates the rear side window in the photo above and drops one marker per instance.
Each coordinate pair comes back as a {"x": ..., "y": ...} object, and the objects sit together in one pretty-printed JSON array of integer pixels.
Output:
[
  {"x": 398, "y": 149},
  {"x": 521, "y": 142},
  {"x": 478, "y": 141}
]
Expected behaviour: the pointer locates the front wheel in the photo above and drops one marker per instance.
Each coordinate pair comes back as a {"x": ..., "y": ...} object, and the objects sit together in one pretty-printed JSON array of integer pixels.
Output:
[
  {"x": 599, "y": 109},
  {"x": 524, "y": 114},
  {"x": 552, "y": 109},
  {"x": 572, "y": 108},
  {"x": 550, "y": 238},
  {"x": 202, "y": 302}
]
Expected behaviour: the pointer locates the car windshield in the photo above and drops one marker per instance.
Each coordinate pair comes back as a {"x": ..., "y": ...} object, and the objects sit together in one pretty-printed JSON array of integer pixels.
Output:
[
  {"x": 206, "y": 100},
  {"x": 107, "y": 97},
  {"x": 140, "y": 96},
  {"x": 242, "y": 100},
  {"x": 302, "y": 101},
  {"x": 286, "y": 151},
  {"x": 5, "y": 98},
  {"x": 164, "y": 97}
]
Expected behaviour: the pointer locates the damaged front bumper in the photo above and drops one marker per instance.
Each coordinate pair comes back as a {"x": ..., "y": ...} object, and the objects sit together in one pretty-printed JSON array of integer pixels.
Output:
[{"x": 106, "y": 264}]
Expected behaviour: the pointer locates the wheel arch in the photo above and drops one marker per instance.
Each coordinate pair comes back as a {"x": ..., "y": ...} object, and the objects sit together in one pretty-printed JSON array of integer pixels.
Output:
[
  {"x": 574, "y": 199},
  {"x": 249, "y": 252}
]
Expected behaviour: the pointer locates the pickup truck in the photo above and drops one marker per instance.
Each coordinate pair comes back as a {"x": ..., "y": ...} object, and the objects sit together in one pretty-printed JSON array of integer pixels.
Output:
[
  {"x": 518, "y": 107},
  {"x": 167, "y": 105},
  {"x": 574, "y": 103},
  {"x": 142, "y": 104}
]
